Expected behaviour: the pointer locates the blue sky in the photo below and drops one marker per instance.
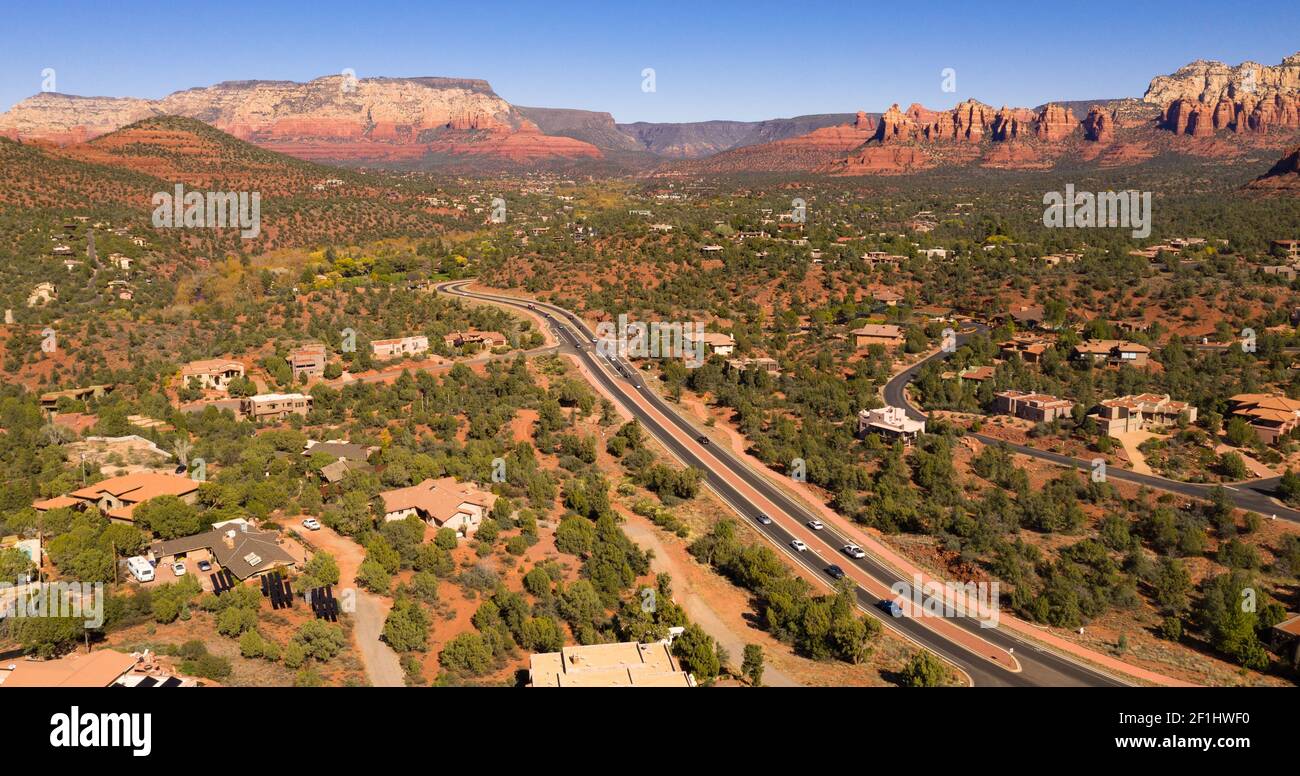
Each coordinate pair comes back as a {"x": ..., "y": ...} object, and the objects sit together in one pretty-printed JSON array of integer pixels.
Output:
[{"x": 712, "y": 58}]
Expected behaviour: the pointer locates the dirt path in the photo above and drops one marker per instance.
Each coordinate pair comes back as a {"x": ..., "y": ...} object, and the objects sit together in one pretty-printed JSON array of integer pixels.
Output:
[
  {"x": 697, "y": 608},
  {"x": 382, "y": 664}
]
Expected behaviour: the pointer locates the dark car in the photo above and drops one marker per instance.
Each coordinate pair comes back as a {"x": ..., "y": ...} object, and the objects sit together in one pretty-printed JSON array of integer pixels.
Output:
[
  {"x": 205, "y": 565},
  {"x": 182, "y": 469},
  {"x": 764, "y": 519},
  {"x": 890, "y": 607},
  {"x": 702, "y": 440},
  {"x": 835, "y": 572}
]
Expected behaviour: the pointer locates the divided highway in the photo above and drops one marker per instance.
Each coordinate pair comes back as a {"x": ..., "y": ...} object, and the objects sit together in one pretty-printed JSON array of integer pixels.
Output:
[{"x": 988, "y": 656}]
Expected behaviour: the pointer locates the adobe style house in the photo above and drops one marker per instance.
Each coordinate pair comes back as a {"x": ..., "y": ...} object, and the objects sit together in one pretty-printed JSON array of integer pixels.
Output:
[
  {"x": 628, "y": 664},
  {"x": 1140, "y": 412},
  {"x": 1024, "y": 316},
  {"x": 1290, "y": 248},
  {"x": 235, "y": 546},
  {"x": 878, "y": 334},
  {"x": 42, "y": 294},
  {"x": 50, "y": 400},
  {"x": 1028, "y": 349},
  {"x": 1112, "y": 352},
  {"x": 891, "y": 423},
  {"x": 443, "y": 503},
  {"x": 274, "y": 406},
  {"x": 117, "y": 497},
  {"x": 1036, "y": 407},
  {"x": 1270, "y": 416},
  {"x": 488, "y": 339},
  {"x": 887, "y": 297},
  {"x": 713, "y": 342},
  {"x": 401, "y": 346},
  {"x": 308, "y": 361},
  {"x": 215, "y": 373},
  {"x": 763, "y": 364}
]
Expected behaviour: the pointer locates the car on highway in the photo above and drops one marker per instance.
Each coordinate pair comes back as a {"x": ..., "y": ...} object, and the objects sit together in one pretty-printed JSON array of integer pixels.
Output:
[
  {"x": 835, "y": 572},
  {"x": 798, "y": 545},
  {"x": 702, "y": 439},
  {"x": 816, "y": 525},
  {"x": 854, "y": 551},
  {"x": 890, "y": 607},
  {"x": 762, "y": 518},
  {"x": 531, "y": 307},
  {"x": 178, "y": 569}
]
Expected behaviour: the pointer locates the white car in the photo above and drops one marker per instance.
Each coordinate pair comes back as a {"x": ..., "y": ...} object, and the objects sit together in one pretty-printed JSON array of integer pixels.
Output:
[
  {"x": 854, "y": 551},
  {"x": 798, "y": 545},
  {"x": 178, "y": 569},
  {"x": 311, "y": 524},
  {"x": 816, "y": 525}
]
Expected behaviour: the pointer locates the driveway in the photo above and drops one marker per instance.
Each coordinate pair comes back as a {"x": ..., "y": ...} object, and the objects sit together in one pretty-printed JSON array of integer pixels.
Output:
[{"x": 382, "y": 664}]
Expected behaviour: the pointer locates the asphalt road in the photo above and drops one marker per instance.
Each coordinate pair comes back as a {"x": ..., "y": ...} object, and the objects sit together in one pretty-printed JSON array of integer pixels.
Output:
[
  {"x": 1253, "y": 495},
  {"x": 736, "y": 483}
]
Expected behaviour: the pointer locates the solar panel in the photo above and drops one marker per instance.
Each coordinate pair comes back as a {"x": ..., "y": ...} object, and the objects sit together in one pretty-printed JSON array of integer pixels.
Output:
[
  {"x": 171, "y": 682},
  {"x": 148, "y": 681}
]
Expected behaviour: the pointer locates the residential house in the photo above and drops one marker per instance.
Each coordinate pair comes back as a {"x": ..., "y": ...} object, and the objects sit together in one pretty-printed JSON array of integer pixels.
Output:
[
  {"x": 401, "y": 346},
  {"x": 1112, "y": 352},
  {"x": 215, "y": 373},
  {"x": 887, "y": 297},
  {"x": 488, "y": 339},
  {"x": 274, "y": 406},
  {"x": 117, "y": 497},
  {"x": 627, "y": 664},
  {"x": 1036, "y": 407},
  {"x": 1027, "y": 349},
  {"x": 42, "y": 294},
  {"x": 878, "y": 334},
  {"x": 50, "y": 399},
  {"x": 763, "y": 364},
  {"x": 1290, "y": 247},
  {"x": 712, "y": 342},
  {"x": 235, "y": 546},
  {"x": 444, "y": 503},
  {"x": 308, "y": 362},
  {"x": 1140, "y": 412},
  {"x": 1025, "y": 316},
  {"x": 1270, "y": 416},
  {"x": 890, "y": 422},
  {"x": 101, "y": 668}
]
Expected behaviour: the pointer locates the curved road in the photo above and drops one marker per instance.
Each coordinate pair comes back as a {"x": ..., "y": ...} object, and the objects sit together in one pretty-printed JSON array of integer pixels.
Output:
[
  {"x": 988, "y": 656},
  {"x": 1252, "y": 495}
]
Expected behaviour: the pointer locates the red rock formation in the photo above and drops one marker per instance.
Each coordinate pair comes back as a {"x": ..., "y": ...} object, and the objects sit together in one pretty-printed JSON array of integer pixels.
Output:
[
  {"x": 1055, "y": 123},
  {"x": 1283, "y": 178},
  {"x": 1098, "y": 125}
]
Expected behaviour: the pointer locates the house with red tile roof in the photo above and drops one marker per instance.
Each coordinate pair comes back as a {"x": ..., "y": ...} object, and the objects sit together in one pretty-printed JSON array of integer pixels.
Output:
[
  {"x": 117, "y": 497},
  {"x": 443, "y": 503}
]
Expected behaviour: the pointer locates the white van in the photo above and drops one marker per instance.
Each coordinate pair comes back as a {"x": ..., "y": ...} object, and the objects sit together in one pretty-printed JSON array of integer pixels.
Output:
[{"x": 140, "y": 568}]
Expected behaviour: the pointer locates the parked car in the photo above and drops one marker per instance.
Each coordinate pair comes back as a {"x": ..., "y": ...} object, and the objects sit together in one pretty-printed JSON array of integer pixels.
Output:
[
  {"x": 178, "y": 569},
  {"x": 816, "y": 525},
  {"x": 205, "y": 566},
  {"x": 835, "y": 572},
  {"x": 311, "y": 524},
  {"x": 854, "y": 551},
  {"x": 798, "y": 545}
]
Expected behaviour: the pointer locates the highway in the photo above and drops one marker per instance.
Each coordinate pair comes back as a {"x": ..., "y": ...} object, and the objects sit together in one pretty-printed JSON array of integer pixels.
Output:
[
  {"x": 988, "y": 656},
  {"x": 1252, "y": 495}
]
